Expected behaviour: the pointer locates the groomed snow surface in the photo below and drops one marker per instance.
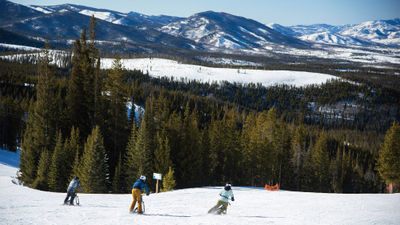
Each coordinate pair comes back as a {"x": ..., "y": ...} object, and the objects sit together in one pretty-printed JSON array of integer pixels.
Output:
[
  {"x": 168, "y": 68},
  {"x": 22, "y": 205}
]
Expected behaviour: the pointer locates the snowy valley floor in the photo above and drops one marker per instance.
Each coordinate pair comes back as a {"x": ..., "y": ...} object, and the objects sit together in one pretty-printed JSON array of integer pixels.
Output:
[{"x": 22, "y": 205}]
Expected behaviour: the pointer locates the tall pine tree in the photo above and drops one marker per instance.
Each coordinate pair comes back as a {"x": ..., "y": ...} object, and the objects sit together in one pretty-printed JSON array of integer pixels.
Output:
[
  {"x": 117, "y": 119},
  {"x": 389, "y": 157},
  {"x": 59, "y": 175},
  {"x": 42, "y": 121},
  {"x": 42, "y": 178},
  {"x": 83, "y": 98},
  {"x": 142, "y": 156},
  {"x": 299, "y": 149},
  {"x": 129, "y": 170},
  {"x": 94, "y": 173},
  {"x": 189, "y": 157},
  {"x": 320, "y": 163},
  {"x": 162, "y": 156},
  {"x": 76, "y": 105}
]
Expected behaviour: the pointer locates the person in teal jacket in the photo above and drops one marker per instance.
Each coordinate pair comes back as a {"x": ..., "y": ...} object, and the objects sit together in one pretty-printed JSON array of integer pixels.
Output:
[
  {"x": 222, "y": 204},
  {"x": 137, "y": 190}
]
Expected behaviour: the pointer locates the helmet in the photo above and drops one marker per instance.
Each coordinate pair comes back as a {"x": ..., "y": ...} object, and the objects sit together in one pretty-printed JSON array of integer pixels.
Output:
[
  {"x": 143, "y": 178},
  {"x": 76, "y": 178},
  {"x": 228, "y": 186}
]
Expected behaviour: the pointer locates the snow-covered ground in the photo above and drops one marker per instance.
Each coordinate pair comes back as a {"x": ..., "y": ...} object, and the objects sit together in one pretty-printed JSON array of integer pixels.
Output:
[
  {"x": 22, "y": 205},
  {"x": 368, "y": 56},
  {"x": 168, "y": 68},
  {"x": 19, "y": 47}
]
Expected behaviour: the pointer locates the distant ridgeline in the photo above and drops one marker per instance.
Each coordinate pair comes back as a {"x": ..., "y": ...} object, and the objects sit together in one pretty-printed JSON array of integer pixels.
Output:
[{"x": 73, "y": 122}]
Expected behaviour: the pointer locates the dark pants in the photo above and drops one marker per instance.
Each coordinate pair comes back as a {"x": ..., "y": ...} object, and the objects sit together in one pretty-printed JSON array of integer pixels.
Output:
[{"x": 71, "y": 194}]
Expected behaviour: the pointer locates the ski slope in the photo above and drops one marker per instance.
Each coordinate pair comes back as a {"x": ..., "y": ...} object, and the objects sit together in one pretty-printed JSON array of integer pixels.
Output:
[
  {"x": 22, "y": 205},
  {"x": 157, "y": 67}
]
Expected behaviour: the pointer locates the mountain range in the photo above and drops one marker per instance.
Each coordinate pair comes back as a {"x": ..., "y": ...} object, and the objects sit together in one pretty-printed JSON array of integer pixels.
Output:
[
  {"x": 205, "y": 31},
  {"x": 386, "y": 32}
]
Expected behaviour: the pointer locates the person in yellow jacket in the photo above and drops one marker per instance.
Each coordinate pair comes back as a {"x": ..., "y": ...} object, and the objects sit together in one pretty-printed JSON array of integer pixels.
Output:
[
  {"x": 222, "y": 204},
  {"x": 137, "y": 190}
]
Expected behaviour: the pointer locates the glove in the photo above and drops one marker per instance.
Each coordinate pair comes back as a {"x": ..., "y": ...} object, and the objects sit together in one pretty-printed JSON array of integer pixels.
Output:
[{"x": 233, "y": 199}]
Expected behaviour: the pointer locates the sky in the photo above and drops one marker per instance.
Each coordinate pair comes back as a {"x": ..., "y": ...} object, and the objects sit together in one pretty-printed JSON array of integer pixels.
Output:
[{"x": 284, "y": 12}]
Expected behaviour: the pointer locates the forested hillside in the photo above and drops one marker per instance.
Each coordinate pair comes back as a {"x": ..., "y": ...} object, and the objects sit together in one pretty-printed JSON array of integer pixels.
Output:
[{"x": 73, "y": 121}]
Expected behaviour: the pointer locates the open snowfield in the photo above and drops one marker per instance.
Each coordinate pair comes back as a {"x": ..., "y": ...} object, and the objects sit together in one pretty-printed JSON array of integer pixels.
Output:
[
  {"x": 157, "y": 67},
  {"x": 22, "y": 205},
  {"x": 168, "y": 68}
]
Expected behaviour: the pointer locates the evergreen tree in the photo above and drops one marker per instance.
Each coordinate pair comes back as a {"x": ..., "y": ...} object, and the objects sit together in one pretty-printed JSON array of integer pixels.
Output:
[
  {"x": 299, "y": 148},
  {"x": 129, "y": 169},
  {"x": 117, "y": 184},
  {"x": 45, "y": 117},
  {"x": 347, "y": 170},
  {"x": 162, "y": 158},
  {"x": 307, "y": 178},
  {"x": 174, "y": 135},
  {"x": 320, "y": 162},
  {"x": 231, "y": 153},
  {"x": 73, "y": 150},
  {"x": 215, "y": 152},
  {"x": 286, "y": 174},
  {"x": 138, "y": 157},
  {"x": 247, "y": 145},
  {"x": 58, "y": 174},
  {"x": 41, "y": 126},
  {"x": 389, "y": 157},
  {"x": 30, "y": 155},
  {"x": 83, "y": 98},
  {"x": 76, "y": 167},
  {"x": 189, "y": 158},
  {"x": 142, "y": 155},
  {"x": 336, "y": 172},
  {"x": 75, "y": 99},
  {"x": 42, "y": 178},
  {"x": 169, "y": 181},
  {"x": 93, "y": 78},
  {"x": 205, "y": 176},
  {"x": 94, "y": 169},
  {"x": 262, "y": 149},
  {"x": 276, "y": 143},
  {"x": 117, "y": 119}
]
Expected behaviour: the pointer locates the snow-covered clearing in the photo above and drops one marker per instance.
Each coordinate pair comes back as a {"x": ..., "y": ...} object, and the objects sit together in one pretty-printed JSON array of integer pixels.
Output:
[
  {"x": 168, "y": 68},
  {"x": 22, "y": 205}
]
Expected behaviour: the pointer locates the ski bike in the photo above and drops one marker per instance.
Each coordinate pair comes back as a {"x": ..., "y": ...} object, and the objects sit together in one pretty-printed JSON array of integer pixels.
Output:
[
  {"x": 75, "y": 201},
  {"x": 143, "y": 207},
  {"x": 220, "y": 210}
]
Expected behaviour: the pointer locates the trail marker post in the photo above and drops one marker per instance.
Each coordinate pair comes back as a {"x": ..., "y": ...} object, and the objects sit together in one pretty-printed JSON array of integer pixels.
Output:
[{"x": 157, "y": 176}]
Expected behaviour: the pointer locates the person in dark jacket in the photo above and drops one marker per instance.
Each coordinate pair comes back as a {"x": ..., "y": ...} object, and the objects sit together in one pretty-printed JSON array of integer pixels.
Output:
[
  {"x": 137, "y": 190},
  {"x": 72, "y": 189}
]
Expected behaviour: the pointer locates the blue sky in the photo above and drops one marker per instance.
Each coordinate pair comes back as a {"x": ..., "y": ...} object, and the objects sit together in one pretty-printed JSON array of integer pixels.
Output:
[{"x": 284, "y": 12}]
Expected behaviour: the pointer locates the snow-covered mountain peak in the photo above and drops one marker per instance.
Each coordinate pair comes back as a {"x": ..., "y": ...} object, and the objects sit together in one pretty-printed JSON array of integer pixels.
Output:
[
  {"x": 379, "y": 31},
  {"x": 132, "y": 13},
  {"x": 223, "y": 30},
  {"x": 328, "y": 37},
  {"x": 369, "y": 33},
  {"x": 41, "y": 9},
  {"x": 107, "y": 16}
]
